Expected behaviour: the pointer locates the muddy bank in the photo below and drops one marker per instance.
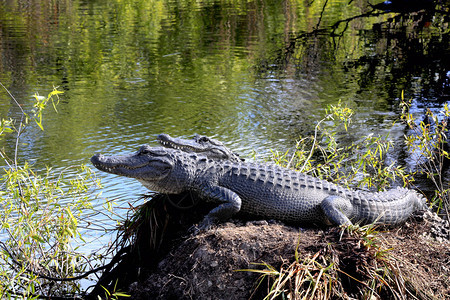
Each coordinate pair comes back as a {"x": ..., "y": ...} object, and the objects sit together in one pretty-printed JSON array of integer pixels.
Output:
[
  {"x": 163, "y": 261},
  {"x": 209, "y": 265}
]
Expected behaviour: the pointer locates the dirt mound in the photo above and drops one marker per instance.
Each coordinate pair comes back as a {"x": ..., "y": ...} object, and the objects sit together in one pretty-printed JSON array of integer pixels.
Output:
[
  {"x": 207, "y": 266},
  {"x": 159, "y": 259},
  {"x": 212, "y": 265}
]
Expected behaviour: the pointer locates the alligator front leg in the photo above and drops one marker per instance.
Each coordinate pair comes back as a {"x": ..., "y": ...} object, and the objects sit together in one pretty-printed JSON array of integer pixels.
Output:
[
  {"x": 337, "y": 210},
  {"x": 230, "y": 205}
]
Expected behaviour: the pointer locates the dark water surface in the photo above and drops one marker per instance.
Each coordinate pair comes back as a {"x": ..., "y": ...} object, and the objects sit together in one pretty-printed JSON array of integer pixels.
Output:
[{"x": 253, "y": 74}]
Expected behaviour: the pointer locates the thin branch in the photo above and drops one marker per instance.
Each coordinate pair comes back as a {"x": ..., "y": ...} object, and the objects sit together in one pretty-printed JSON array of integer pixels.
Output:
[
  {"x": 321, "y": 14},
  {"x": 84, "y": 275},
  {"x": 12, "y": 97},
  {"x": 313, "y": 145}
]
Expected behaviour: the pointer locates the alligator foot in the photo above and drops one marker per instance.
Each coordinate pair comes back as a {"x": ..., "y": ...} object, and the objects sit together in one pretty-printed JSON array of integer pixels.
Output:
[
  {"x": 197, "y": 229},
  {"x": 337, "y": 209},
  {"x": 194, "y": 230}
]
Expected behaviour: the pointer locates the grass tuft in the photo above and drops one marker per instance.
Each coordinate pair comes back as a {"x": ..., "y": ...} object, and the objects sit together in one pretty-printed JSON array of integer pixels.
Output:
[{"x": 351, "y": 264}]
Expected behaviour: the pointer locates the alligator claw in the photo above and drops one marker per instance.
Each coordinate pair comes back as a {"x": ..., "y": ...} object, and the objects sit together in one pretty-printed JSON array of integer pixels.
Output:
[
  {"x": 202, "y": 227},
  {"x": 197, "y": 229},
  {"x": 194, "y": 230}
]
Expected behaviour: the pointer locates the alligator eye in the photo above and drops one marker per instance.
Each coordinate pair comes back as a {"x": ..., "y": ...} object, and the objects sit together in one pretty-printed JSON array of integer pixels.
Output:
[
  {"x": 203, "y": 139},
  {"x": 152, "y": 151},
  {"x": 144, "y": 150}
]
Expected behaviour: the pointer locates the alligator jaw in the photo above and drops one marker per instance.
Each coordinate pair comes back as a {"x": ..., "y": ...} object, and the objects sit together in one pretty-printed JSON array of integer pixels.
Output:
[
  {"x": 185, "y": 148},
  {"x": 180, "y": 144},
  {"x": 131, "y": 166},
  {"x": 204, "y": 145}
]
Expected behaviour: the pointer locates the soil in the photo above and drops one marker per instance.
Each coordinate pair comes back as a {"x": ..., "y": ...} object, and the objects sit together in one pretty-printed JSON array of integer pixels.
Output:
[{"x": 215, "y": 264}]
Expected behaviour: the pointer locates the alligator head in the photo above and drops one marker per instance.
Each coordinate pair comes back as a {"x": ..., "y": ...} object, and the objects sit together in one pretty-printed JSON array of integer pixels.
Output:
[
  {"x": 212, "y": 148},
  {"x": 157, "y": 168}
]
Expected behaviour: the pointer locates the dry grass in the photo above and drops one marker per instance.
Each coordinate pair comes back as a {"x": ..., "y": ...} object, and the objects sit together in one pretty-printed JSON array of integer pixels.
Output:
[{"x": 353, "y": 264}]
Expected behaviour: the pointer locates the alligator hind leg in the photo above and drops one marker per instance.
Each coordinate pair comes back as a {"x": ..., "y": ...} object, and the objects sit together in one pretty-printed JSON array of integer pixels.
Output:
[
  {"x": 230, "y": 205},
  {"x": 337, "y": 210}
]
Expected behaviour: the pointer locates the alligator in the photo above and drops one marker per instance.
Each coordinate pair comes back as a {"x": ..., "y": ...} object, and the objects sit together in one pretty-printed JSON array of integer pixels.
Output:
[
  {"x": 202, "y": 144},
  {"x": 263, "y": 190}
]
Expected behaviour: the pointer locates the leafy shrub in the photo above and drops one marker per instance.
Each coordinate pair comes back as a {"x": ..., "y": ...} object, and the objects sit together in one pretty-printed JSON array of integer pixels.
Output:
[{"x": 40, "y": 220}]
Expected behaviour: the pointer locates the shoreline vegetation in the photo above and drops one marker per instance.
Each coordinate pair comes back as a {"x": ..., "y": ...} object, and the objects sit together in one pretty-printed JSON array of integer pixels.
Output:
[
  {"x": 43, "y": 218},
  {"x": 40, "y": 233}
]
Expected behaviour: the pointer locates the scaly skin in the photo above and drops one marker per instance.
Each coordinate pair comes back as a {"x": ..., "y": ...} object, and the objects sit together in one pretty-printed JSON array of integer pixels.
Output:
[
  {"x": 264, "y": 190},
  {"x": 201, "y": 144}
]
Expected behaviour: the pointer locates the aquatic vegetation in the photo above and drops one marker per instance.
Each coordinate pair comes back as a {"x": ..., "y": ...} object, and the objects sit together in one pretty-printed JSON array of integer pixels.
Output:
[
  {"x": 427, "y": 141},
  {"x": 361, "y": 164},
  {"x": 41, "y": 217}
]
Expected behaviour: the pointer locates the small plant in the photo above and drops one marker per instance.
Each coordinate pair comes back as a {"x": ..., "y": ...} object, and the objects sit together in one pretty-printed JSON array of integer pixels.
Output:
[
  {"x": 352, "y": 264},
  {"x": 427, "y": 142},
  {"x": 39, "y": 225},
  {"x": 361, "y": 164},
  {"x": 113, "y": 294},
  {"x": 308, "y": 278}
]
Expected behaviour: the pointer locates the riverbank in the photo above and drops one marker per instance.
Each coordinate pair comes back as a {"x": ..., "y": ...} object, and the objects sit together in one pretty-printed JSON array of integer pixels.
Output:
[
  {"x": 406, "y": 262},
  {"x": 255, "y": 258}
]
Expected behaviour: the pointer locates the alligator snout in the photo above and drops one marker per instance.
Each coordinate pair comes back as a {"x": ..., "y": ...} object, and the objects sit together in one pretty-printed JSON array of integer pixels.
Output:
[{"x": 97, "y": 158}]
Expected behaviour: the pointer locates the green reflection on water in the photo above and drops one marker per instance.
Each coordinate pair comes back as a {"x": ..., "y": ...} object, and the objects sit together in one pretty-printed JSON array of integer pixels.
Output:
[{"x": 133, "y": 69}]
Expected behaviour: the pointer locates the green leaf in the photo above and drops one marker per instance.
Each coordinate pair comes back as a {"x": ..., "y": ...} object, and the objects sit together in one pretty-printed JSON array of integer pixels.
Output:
[
  {"x": 39, "y": 124},
  {"x": 37, "y": 238}
]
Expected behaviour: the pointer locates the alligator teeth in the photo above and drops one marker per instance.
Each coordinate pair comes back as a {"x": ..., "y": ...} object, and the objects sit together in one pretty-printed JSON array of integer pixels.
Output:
[
  {"x": 175, "y": 146},
  {"x": 111, "y": 169},
  {"x": 164, "y": 143}
]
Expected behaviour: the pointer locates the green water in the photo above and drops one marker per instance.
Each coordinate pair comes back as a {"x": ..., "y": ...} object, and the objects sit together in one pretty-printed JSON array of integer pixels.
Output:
[{"x": 241, "y": 71}]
